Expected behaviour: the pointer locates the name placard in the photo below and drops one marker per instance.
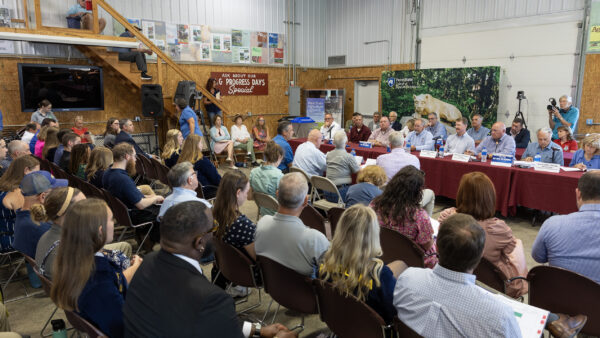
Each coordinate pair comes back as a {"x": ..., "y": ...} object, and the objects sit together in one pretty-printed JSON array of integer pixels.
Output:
[
  {"x": 461, "y": 157},
  {"x": 365, "y": 144},
  {"x": 428, "y": 153},
  {"x": 548, "y": 167},
  {"x": 502, "y": 160}
]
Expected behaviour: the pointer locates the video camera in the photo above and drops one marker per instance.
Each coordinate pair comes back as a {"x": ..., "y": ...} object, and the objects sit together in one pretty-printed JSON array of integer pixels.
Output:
[{"x": 552, "y": 104}]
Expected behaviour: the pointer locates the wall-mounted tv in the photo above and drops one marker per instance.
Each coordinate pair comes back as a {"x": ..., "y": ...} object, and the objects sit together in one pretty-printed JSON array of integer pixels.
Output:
[{"x": 67, "y": 87}]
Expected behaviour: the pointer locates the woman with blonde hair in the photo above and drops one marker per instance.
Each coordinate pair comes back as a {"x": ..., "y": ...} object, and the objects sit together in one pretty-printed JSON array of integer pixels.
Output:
[
  {"x": 208, "y": 176},
  {"x": 172, "y": 148},
  {"x": 51, "y": 144},
  {"x": 369, "y": 182},
  {"x": 352, "y": 263},
  {"x": 86, "y": 279},
  {"x": 41, "y": 141},
  {"x": 588, "y": 156},
  {"x": 101, "y": 158},
  {"x": 477, "y": 197}
]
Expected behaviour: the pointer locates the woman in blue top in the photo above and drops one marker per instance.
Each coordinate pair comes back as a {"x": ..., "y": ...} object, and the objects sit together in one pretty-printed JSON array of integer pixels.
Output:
[
  {"x": 352, "y": 265},
  {"x": 87, "y": 279},
  {"x": 369, "y": 182},
  {"x": 220, "y": 140},
  {"x": 208, "y": 176},
  {"x": 588, "y": 156}
]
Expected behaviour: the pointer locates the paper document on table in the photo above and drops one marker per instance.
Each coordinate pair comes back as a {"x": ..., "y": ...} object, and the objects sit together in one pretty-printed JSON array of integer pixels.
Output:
[
  {"x": 435, "y": 225},
  {"x": 358, "y": 159},
  {"x": 524, "y": 164},
  {"x": 531, "y": 319},
  {"x": 570, "y": 169},
  {"x": 369, "y": 161}
]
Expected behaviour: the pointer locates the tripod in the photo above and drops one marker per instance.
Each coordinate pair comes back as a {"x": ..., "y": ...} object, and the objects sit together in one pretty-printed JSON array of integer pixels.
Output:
[
  {"x": 157, "y": 148},
  {"x": 197, "y": 97},
  {"x": 519, "y": 114}
]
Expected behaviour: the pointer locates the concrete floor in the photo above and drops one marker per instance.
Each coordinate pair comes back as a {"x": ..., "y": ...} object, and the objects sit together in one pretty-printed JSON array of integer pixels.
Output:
[{"x": 28, "y": 315}]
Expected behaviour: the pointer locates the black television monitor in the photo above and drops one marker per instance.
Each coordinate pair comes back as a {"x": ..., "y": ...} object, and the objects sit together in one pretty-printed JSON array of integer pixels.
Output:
[{"x": 67, "y": 87}]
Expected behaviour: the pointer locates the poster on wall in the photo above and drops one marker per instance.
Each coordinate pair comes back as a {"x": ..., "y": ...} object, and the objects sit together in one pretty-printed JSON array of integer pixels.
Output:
[
  {"x": 315, "y": 108},
  {"x": 157, "y": 33},
  {"x": 241, "y": 83},
  {"x": 593, "y": 45},
  {"x": 451, "y": 93}
]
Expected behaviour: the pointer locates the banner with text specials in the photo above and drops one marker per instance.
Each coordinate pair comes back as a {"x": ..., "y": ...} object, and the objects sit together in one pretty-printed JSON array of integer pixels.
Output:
[{"x": 241, "y": 83}]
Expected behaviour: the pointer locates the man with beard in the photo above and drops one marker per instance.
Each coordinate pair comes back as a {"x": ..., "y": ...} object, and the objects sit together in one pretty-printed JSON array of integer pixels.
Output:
[
  {"x": 118, "y": 182},
  {"x": 186, "y": 304}
]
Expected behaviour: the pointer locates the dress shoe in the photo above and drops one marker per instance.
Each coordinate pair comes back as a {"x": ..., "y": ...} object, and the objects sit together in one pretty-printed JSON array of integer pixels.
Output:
[{"x": 566, "y": 326}]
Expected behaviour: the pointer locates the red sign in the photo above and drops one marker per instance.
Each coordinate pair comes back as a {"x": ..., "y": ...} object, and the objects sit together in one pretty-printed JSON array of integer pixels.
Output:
[{"x": 242, "y": 83}]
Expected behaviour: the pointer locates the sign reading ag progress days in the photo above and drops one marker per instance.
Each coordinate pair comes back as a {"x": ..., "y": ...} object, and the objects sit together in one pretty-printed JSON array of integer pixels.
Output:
[{"x": 242, "y": 83}]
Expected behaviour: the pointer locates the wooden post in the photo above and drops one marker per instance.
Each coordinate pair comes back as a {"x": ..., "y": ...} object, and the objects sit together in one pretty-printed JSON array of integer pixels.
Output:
[
  {"x": 159, "y": 70},
  {"x": 96, "y": 25},
  {"x": 38, "y": 15},
  {"x": 26, "y": 16}
]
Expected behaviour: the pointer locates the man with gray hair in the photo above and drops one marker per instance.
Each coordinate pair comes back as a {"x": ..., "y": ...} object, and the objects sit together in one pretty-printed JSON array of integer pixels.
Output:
[
  {"x": 283, "y": 237},
  {"x": 308, "y": 156},
  {"x": 184, "y": 180},
  {"x": 340, "y": 167},
  {"x": 549, "y": 151},
  {"x": 16, "y": 149},
  {"x": 567, "y": 115}
]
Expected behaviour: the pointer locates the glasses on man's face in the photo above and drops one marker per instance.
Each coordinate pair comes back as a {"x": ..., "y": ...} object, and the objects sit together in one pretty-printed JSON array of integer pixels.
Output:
[{"x": 328, "y": 118}]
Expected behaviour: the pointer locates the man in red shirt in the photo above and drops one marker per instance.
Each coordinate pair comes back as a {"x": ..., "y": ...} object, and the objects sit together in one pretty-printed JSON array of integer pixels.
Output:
[{"x": 358, "y": 131}]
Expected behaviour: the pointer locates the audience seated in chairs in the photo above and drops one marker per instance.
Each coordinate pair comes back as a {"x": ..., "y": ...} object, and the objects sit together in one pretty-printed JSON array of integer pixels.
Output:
[
  {"x": 208, "y": 175},
  {"x": 352, "y": 265},
  {"x": 220, "y": 140},
  {"x": 184, "y": 180},
  {"x": 477, "y": 197},
  {"x": 309, "y": 157},
  {"x": 572, "y": 241},
  {"x": 29, "y": 133},
  {"x": 83, "y": 132},
  {"x": 16, "y": 149},
  {"x": 398, "y": 158},
  {"x": 283, "y": 237},
  {"x": 446, "y": 302},
  {"x": 41, "y": 141},
  {"x": 241, "y": 138},
  {"x": 86, "y": 278},
  {"x": 588, "y": 156},
  {"x": 34, "y": 187},
  {"x": 188, "y": 305},
  {"x": 142, "y": 208},
  {"x": 399, "y": 209},
  {"x": 80, "y": 156},
  {"x": 260, "y": 133},
  {"x": 172, "y": 148},
  {"x": 370, "y": 179},
  {"x": 101, "y": 159},
  {"x": 265, "y": 179},
  {"x": 61, "y": 148},
  {"x": 45, "y": 122},
  {"x": 340, "y": 167},
  {"x": 113, "y": 128},
  {"x": 125, "y": 136},
  {"x": 51, "y": 144},
  {"x": 3, "y": 155},
  {"x": 69, "y": 140}
]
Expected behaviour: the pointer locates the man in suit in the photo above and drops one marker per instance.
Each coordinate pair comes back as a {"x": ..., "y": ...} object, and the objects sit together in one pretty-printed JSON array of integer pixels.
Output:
[
  {"x": 125, "y": 136},
  {"x": 170, "y": 297},
  {"x": 394, "y": 122},
  {"x": 520, "y": 134}
]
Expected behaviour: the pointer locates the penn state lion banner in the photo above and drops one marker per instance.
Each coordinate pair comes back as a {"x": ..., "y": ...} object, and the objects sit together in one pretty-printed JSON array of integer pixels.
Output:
[{"x": 451, "y": 93}]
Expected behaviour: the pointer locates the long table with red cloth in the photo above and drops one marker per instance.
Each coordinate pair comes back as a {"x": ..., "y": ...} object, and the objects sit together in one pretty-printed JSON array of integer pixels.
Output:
[{"x": 514, "y": 186}]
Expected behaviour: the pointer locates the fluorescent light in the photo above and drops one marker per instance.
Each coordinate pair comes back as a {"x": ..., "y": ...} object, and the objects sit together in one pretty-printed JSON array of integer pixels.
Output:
[{"x": 66, "y": 40}]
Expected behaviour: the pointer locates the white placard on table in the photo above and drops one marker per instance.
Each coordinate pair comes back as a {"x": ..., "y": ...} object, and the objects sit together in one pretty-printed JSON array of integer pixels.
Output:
[
  {"x": 358, "y": 159},
  {"x": 369, "y": 161},
  {"x": 428, "y": 153},
  {"x": 461, "y": 157},
  {"x": 548, "y": 167},
  {"x": 531, "y": 319}
]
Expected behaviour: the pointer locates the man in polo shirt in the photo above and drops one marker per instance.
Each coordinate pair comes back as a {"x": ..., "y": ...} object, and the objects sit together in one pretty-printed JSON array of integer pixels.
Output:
[
  {"x": 308, "y": 156},
  {"x": 283, "y": 237},
  {"x": 497, "y": 143},
  {"x": 285, "y": 131},
  {"x": 460, "y": 142},
  {"x": 184, "y": 180},
  {"x": 549, "y": 151},
  {"x": 420, "y": 139},
  {"x": 118, "y": 182},
  {"x": 380, "y": 136},
  {"x": 477, "y": 131}
]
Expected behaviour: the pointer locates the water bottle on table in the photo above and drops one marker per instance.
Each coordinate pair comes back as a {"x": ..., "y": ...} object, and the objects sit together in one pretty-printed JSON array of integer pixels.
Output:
[
  {"x": 484, "y": 155},
  {"x": 537, "y": 158},
  {"x": 407, "y": 149},
  {"x": 353, "y": 152},
  {"x": 441, "y": 152},
  {"x": 438, "y": 143}
]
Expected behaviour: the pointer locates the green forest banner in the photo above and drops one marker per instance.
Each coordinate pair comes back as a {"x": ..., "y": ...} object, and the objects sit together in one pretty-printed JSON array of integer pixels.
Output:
[{"x": 451, "y": 93}]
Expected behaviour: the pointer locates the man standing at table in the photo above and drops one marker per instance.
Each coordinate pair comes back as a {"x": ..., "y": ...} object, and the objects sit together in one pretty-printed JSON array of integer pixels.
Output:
[
  {"x": 420, "y": 139},
  {"x": 375, "y": 123},
  {"x": 477, "y": 131},
  {"x": 497, "y": 143},
  {"x": 285, "y": 131},
  {"x": 380, "y": 137},
  {"x": 567, "y": 115},
  {"x": 520, "y": 134},
  {"x": 358, "y": 132},
  {"x": 548, "y": 150},
  {"x": 436, "y": 128},
  {"x": 330, "y": 127},
  {"x": 395, "y": 124},
  {"x": 308, "y": 156},
  {"x": 460, "y": 142}
]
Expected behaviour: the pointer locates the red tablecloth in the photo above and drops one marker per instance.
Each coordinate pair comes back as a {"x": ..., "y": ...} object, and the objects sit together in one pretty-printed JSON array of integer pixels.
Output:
[{"x": 514, "y": 186}]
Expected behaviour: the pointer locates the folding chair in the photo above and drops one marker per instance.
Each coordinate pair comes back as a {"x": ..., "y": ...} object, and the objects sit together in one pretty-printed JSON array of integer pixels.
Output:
[
  {"x": 21, "y": 258},
  {"x": 298, "y": 170},
  {"x": 324, "y": 184},
  {"x": 47, "y": 286},
  {"x": 265, "y": 201},
  {"x": 397, "y": 246},
  {"x": 490, "y": 275},
  {"x": 161, "y": 171},
  {"x": 121, "y": 214},
  {"x": 334, "y": 215},
  {"x": 313, "y": 219},
  {"x": 82, "y": 325}
]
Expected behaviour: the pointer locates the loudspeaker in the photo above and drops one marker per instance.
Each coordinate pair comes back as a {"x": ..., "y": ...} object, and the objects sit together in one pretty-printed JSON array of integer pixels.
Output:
[
  {"x": 152, "y": 100},
  {"x": 186, "y": 90}
]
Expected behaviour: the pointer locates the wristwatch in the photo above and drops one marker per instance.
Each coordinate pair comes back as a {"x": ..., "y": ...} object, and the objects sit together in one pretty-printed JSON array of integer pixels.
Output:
[{"x": 257, "y": 328}]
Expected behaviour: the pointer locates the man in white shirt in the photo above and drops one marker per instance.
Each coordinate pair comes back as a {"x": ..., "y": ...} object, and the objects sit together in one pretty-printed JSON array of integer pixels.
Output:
[
  {"x": 30, "y": 130},
  {"x": 308, "y": 156},
  {"x": 330, "y": 127},
  {"x": 460, "y": 142}
]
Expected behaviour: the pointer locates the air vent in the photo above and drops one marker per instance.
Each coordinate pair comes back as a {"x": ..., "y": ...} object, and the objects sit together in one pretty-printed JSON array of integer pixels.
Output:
[{"x": 338, "y": 60}]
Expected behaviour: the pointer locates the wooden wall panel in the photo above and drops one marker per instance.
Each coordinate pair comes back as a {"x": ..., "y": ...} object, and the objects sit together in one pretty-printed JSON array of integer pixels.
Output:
[{"x": 590, "y": 100}]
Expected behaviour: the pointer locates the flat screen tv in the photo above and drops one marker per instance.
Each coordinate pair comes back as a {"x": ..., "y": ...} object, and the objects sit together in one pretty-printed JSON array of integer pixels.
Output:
[{"x": 67, "y": 87}]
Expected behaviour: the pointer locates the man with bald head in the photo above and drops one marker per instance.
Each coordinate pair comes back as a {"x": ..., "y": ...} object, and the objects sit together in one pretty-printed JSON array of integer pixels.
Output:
[
  {"x": 283, "y": 237},
  {"x": 497, "y": 143},
  {"x": 549, "y": 151},
  {"x": 308, "y": 156}
]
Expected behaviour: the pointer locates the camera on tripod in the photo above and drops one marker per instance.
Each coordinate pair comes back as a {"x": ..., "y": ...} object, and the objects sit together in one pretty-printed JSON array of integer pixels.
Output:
[{"x": 552, "y": 104}]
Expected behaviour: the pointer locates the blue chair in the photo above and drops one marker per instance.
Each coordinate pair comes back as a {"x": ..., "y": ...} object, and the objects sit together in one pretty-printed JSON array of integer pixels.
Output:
[{"x": 74, "y": 22}]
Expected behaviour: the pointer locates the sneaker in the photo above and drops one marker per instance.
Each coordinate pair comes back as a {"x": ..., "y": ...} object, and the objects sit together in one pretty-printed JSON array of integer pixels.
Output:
[
  {"x": 146, "y": 77},
  {"x": 255, "y": 164},
  {"x": 238, "y": 291}
]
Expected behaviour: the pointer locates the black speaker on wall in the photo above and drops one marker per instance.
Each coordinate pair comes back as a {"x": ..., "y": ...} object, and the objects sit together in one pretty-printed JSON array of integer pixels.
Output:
[
  {"x": 152, "y": 100},
  {"x": 187, "y": 91}
]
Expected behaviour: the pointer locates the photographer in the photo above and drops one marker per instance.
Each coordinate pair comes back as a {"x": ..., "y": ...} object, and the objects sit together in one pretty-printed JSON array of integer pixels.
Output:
[{"x": 567, "y": 115}]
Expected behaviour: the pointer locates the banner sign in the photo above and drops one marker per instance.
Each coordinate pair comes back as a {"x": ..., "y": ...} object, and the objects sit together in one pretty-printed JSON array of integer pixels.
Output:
[
  {"x": 593, "y": 45},
  {"x": 451, "y": 93},
  {"x": 315, "y": 108},
  {"x": 241, "y": 83}
]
